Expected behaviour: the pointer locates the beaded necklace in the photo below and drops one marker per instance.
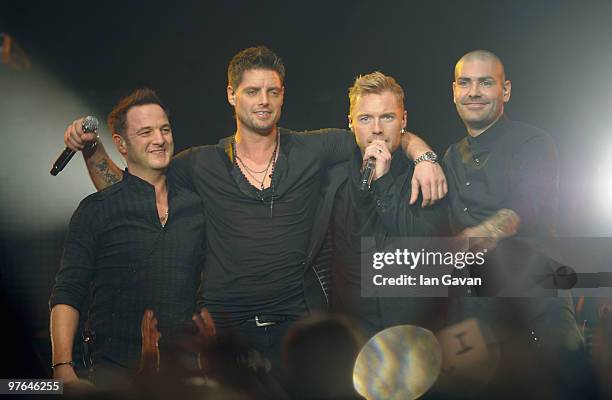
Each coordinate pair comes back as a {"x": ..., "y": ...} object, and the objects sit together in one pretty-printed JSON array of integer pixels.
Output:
[{"x": 251, "y": 172}]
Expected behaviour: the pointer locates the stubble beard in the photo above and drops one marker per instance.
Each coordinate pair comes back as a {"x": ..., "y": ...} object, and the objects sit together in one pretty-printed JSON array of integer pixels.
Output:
[{"x": 265, "y": 129}]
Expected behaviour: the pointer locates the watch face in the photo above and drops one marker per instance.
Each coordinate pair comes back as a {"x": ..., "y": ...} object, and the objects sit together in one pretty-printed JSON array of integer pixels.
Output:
[
  {"x": 427, "y": 156},
  {"x": 430, "y": 156}
]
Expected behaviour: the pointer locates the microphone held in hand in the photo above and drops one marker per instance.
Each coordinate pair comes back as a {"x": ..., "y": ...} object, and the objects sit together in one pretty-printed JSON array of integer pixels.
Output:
[
  {"x": 89, "y": 125},
  {"x": 368, "y": 174}
]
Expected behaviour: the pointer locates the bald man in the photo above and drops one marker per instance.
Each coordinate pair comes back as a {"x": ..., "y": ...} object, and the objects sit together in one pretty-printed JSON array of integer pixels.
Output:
[{"x": 503, "y": 192}]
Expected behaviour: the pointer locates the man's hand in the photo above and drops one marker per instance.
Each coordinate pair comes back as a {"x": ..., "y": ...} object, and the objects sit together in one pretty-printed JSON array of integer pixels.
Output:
[
  {"x": 604, "y": 308},
  {"x": 430, "y": 179},
  {"x": 74, "y": 138},
  {"x": 207, "y": 333},
  {"x": 378, "y": 150},
  {"x": 206, "y": 326},
  {"x": 66, "y": 373},
  {"x": 479, "y": 238},
  {"x": 149, "y": 359},
  {"x": 72, "y": 383}
]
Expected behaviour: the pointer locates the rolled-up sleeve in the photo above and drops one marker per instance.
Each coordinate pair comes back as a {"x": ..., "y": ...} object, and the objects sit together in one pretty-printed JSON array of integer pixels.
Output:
[{"x": 72, "y": 282}]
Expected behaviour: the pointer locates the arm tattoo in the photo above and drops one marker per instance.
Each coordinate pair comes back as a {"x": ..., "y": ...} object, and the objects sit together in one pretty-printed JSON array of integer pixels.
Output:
[
  {"x": 104, "y": 171},
  {"x": 501, "y": 225}
]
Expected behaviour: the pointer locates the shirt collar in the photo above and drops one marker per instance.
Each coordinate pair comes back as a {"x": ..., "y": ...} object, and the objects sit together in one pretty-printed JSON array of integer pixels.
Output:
[
  {"x": 491, "y": 135},
  {"x": 139, "y": 183},
  {"x": 226, "y": 145}
]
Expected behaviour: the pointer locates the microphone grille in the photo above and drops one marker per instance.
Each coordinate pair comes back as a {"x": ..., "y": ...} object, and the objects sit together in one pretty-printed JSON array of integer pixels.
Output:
[{"x": 90, "y": 124}]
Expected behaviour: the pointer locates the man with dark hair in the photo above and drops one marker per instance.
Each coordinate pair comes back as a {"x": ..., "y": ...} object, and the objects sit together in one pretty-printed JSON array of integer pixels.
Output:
[
  {"x": 135, "y": 245},
  {"x": 503, "y": 182},
  {"x": 253, "y": 58},
  {"x": 260, "y": 188}
]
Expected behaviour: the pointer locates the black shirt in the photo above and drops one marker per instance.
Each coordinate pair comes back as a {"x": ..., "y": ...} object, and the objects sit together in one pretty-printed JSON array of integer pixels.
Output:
[
  {"x": 511, "y": 165},
  {"x": 117, "y": 250},
  {"x": 255, "y": 262},
  {"x": 380, "y": 213}
]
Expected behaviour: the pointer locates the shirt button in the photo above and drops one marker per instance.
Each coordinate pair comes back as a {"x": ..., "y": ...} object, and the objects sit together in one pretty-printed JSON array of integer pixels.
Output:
[
  {"x": 476, "y": 161},
  {"x": 465, "y": 209},
  {"x": 467, "y": 183}
]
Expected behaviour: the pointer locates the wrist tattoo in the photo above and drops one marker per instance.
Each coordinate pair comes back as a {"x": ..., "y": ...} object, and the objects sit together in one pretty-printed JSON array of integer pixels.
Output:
[{"x": 104, "y": 170}]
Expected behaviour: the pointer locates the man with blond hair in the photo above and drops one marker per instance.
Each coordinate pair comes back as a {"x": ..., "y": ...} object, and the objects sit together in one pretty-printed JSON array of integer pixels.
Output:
[{"x": 378, "y": 120}]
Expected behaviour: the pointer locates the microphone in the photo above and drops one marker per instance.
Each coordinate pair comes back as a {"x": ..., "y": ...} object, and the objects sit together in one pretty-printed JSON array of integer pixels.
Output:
[
  {"x": 368, "y": 174},
  {"x": 89, "y": 125}
]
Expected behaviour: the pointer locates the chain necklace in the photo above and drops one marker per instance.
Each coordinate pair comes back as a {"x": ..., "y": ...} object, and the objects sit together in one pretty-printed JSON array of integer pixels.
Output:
[
  {"x": 164, "y": 219},
  {"x": 250, "y": 172}
]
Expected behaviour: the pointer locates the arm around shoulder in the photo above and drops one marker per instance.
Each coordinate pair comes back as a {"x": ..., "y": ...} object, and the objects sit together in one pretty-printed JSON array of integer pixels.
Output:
[{"x": 428, "y": 176}]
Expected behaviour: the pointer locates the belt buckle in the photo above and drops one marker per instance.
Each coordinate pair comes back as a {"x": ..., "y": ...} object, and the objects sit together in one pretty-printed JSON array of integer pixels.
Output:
[{"x": 260, "y": 324}]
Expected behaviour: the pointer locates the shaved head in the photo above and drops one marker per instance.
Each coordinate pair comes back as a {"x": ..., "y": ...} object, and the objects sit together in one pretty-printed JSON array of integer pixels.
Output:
[
  {"x": 480, "y": 90},
  {"x": 480, "y": 55}
]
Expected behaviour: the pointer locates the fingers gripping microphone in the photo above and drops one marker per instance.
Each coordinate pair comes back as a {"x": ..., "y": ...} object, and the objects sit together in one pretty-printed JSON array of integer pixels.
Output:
[
  {"x": 89, "y": 125},
  {"x": 368, "y": 174}
]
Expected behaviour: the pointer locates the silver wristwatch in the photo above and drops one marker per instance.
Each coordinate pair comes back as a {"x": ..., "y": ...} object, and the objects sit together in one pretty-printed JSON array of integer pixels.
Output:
[{"x": 427, "y": 156}]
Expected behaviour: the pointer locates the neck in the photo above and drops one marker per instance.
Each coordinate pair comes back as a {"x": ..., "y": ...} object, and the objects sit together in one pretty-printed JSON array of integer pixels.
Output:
[
  {"x": 255, "y": 145},
  {"x": 475, "y": 131}
]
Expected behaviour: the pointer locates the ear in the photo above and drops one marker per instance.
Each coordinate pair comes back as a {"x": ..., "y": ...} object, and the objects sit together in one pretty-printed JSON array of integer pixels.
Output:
[
  {"x": 350, "y": 123},
  {"x": 405, "y": 119},
  {"x": 454, "y": 92},
  {"x": 507, "y": 90},
  {"x": 120, "y": 144},
  {"x": 231, "y": 95}
]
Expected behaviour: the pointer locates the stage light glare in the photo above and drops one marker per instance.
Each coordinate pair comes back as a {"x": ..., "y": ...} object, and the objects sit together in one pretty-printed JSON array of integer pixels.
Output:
[
  {"x": 35, "y": 109},
  {"x": 401, "y": 362},
  {"x": 603, "y": 187}
]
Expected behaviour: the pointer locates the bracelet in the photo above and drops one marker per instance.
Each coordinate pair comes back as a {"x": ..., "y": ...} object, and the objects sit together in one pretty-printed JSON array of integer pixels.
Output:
[{"x": 62, "y": 363}]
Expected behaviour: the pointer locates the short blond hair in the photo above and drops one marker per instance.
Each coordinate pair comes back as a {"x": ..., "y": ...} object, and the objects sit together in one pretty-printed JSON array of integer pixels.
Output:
[{"x": 374, "y": 83}]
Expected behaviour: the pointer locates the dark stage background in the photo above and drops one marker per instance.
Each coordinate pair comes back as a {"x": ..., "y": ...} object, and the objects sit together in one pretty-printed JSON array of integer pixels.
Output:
[{"x": 85, "y": 55}]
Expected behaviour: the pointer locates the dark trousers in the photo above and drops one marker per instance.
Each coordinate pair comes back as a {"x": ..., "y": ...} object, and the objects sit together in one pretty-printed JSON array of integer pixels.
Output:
[
  {"x": 267, "y": 340},
  {"x": 108, "y": 375}
]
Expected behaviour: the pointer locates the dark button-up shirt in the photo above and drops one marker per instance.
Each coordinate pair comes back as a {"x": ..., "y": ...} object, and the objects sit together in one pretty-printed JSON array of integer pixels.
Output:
[
  {"x": 511, "y": 165},
  {"x": 118, "y": 251}
]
